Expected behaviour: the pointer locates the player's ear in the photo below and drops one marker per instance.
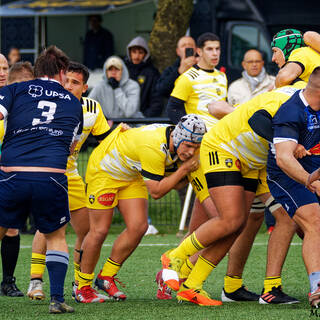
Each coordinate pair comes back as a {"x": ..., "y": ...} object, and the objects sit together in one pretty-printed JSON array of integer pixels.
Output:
[{"x": 85, "y": 88}]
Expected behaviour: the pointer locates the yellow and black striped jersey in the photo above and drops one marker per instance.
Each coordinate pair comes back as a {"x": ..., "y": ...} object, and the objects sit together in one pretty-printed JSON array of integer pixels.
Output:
[
  {"x": 234, "y": 134},
  {"x": 137, "y": 152},
  {"x": 307, "y": 58},
  {"x": 94, "y": 122},
  {"x": 198, "y": 88}
]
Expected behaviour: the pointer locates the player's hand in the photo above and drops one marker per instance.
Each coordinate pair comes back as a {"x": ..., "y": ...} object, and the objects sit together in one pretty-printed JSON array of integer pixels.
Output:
[
  {"x": 186, "y": 63},
  {"x": 124, "y": 127},
  {"x": 192, "y": 164},
  {"x": 301, "y": 152},
  {"x": 313, "y": 183}
]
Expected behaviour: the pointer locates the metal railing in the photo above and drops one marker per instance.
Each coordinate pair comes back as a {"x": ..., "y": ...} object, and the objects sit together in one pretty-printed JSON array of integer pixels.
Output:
[{"x": 163, "y": 212}]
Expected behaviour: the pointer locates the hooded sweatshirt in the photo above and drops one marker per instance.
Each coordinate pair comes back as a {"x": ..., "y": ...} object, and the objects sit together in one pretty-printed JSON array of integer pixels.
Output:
[
  {"x": 122, "y": 102},
  {"x": 146, "y": 75}
]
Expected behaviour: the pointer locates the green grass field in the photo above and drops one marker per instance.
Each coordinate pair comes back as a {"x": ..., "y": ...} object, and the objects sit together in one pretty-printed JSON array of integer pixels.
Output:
[{"x": 138, "y": 274}]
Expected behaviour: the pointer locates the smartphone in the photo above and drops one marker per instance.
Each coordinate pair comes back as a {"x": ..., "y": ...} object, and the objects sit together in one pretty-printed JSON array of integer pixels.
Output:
[{"x": 189, "y": 52}]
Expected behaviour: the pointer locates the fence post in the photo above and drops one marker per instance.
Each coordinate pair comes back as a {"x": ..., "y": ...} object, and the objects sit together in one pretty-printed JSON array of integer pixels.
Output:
[{"x": 185, "y": 210}]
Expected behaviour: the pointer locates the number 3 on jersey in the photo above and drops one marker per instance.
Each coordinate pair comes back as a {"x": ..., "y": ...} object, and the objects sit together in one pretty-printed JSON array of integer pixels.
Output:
[{"x": 48, "y": 115}]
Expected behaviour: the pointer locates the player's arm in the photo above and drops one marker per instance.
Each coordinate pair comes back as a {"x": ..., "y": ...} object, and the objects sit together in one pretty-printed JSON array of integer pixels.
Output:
[
  {"x": 312, "y": 39},
  {"x": 179, "y": 96},
  {"x": 77, "y": 133},
  {"x": 288, "y": 163},
  {"x": 161, "y": 186},
  {"x": 175, "y": 109},
  {"x": 219, "y": 109},
  {"x": 288, "y": 73}
]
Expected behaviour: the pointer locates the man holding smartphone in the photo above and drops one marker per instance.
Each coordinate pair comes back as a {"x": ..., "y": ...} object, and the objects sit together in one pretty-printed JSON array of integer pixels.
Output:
[
  {"x": 186, "y": 51},
  {"x": 201, "y": 84}
]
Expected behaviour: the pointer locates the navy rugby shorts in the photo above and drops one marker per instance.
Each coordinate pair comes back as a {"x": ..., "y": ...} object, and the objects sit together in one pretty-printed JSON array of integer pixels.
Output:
[
  {"x": 289, "y": 193},
  {"x": 42, "y": 194}
]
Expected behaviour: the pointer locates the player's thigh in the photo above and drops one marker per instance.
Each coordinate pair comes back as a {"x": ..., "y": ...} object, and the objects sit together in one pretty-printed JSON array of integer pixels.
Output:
[{"x": 133, "y": 204}]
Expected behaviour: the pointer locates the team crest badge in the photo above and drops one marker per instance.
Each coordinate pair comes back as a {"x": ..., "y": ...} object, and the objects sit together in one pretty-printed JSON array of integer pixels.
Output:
[
  {"x": 218, "y": 91},
  {"x": 92, "y": 198},
  {"x": 229, "y": 162},
  {"x": 35, "y": 91}
]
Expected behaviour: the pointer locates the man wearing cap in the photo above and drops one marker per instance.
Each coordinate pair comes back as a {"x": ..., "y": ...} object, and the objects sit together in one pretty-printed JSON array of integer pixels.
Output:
[
  {"x": 117, "y": 94},
  {"x": 121, "y": 171},
  {"x": 142, "y": 70},
  {"x": 293, "y": 57}
]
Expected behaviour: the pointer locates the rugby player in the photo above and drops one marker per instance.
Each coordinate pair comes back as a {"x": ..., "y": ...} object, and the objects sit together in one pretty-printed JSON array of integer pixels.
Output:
[
  {"x": 232, "y": 156},
  {"x": 44, "y": 122},
  {"x": 115, "y": 177},
  {"x": 93, "y": 122}
]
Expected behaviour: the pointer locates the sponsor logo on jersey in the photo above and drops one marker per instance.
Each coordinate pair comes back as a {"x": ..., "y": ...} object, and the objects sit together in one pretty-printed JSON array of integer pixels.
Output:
[
  {"x": 35, "y": 91},
  {"x": 106, "y": 199},
  {"x": 92, "y": 198},
  {"x": 238, "y": 164},
  {"x": 51, "y": 93},
  {"x": 229, "y": 162}
]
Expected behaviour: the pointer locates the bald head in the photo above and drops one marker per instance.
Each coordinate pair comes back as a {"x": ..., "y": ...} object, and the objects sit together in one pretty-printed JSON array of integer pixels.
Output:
[
  {"x": 183, "y": 43},
  {"x": 4, "y": 70},
  {"x": 314, "y": 80},
  {"x": 253, "y": 62}
]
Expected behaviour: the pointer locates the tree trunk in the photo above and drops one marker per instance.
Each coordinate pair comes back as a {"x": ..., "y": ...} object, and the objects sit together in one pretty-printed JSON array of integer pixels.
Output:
[{"x": 171, "y": 23}]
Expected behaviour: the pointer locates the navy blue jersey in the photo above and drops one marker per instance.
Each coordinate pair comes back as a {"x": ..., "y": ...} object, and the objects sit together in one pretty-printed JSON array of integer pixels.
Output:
[
  {"x": 42, "y": 120},
  {"x": 296, "y": 121}
]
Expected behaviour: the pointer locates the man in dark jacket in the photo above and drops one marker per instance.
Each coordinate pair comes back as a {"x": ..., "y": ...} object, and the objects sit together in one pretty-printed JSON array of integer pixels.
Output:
[
  {"x": 143, "y": 71},
  {"x": 169, "y": 75},
  {"x": 98, "y": 44}
]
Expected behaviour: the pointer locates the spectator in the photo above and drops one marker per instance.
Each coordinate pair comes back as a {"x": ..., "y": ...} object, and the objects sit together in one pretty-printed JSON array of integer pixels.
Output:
[
  {"x": 143, "y": 71},
  {"x": 169, "y": 75},
  {"x": 117, "y": 94},
  {"x": 13, "y": 56},
  {"x": 98, "y": 44},
  {"x": 254, "y": 79}
]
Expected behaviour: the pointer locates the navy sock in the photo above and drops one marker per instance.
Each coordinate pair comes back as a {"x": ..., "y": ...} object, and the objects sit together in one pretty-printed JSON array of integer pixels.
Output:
[
  {"x": 9, "y": 253},
  {"x": 57, "y": 265}
]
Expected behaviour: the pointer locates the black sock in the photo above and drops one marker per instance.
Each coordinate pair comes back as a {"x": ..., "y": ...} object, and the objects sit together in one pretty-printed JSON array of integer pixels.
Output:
[{"x": 9, "y": 254}]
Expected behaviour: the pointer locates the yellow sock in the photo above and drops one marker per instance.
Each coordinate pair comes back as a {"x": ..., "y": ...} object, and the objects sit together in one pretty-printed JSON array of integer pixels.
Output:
[
  {"x": 76, "y": 270},
  {"x": 38, "y": 264},
  {"x": 199, "y": 273},
  {"x": 187, "y": 247},
  {"x": 232, "y": 283},
  {"x": 85, "y": 279},
  {"x": 270, "y": 282},
  {"x": 185, "y": 269},
  {"x": 110, "y": 268}
]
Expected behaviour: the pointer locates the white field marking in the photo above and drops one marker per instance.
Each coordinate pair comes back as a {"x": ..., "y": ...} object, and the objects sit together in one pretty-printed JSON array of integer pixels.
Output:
[{"x": 168, "y": 244}]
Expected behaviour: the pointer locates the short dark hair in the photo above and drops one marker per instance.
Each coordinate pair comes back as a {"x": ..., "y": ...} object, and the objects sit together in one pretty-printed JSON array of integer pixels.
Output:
[
  {"x": 50, "y": 62},
  {"x": 208, "y": 36},
  {"x": 95, "y": 16},
  {"x": 20, "y": 70},
  {"x": 79, "y": 68}
]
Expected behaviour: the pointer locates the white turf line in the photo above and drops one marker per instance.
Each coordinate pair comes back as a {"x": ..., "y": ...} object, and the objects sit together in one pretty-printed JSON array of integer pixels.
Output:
[{"x": 167, "y": 245}]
